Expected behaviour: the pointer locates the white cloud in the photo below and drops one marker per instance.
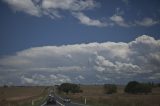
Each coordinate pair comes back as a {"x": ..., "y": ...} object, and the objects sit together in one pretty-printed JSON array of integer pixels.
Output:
[
  {"x": 73, "y": 63},
  {"x": 69, "y": 56},
  {"x": 71, "y": 5},
  {"x": 26, "y": 6},
  {"x": 88, "y": 21},
  {"x": 102, "y": 78},
  {"x": 39, "y": 79},
  {"x": 63, "y": 78},
  {"x": 53, "y": 9},
  {"x": 50, "y": 8},
  {"x": 147, "y": 22},
  {"x": 100, "y": 60},
  {"x": 99, "y": 68},
  {"x": 79, "y": 78},
  {"x": 119, "y": 20},
  {"x": 155, "y": 76},
  {"x": 27, "y": 80},
  {"x": 105, "y": 66},
  {"x": 58, "y": 69}
]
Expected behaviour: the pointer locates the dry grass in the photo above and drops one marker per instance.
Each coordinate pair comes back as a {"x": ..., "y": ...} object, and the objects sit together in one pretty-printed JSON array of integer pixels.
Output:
[
  {"x": 95, "y": 97},
  {"x": 16, "y": 96}
]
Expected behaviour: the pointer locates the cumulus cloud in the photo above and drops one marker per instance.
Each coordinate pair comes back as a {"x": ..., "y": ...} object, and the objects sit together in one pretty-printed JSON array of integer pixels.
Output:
[
  {"x": 40, "y": 79},
  {"x": 107, "y": 67},
  {"x": 26, "y": 6},
  {"x": 50, "y": 8},
  {"x": 119, "y": 20},
  {"x": 84, "y": 63},
  {"x": 53, "y": 9},
  {"x": 147, "y": 22},
  {"x": 79, "y": 78},
  {"x": 88, "y": 21},
  {"x": 71, "y": 5},
  {"x": 155, "y": 76},
  {"x": 27, "y": 80}
]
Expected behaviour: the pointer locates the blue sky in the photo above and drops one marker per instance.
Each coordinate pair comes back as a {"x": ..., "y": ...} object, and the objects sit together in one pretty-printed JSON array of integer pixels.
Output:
[
  {"x": 21, "y": 30},
  {"x": 30, "y": 24}
]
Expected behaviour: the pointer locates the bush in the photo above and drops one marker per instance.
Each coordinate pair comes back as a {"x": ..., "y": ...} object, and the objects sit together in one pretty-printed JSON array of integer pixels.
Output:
[
  {"x": 5, "y": 86},
  {"x": 68, "y": 87},
  {"x": 110, "y": 88},
  {"x": 136, "y": 87},
  {"x": 131, "y": 87}
]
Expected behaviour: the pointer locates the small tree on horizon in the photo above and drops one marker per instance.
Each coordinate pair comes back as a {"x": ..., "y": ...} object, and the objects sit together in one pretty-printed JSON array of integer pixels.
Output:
[
  {"x": 135, "y": 87},
  {"x": 69, "y": 87}
]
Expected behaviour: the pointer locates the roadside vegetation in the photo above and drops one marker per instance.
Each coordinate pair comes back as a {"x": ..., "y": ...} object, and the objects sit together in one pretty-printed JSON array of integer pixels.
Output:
[
  {"x": 135, "y": 87},
  {"x": 22, "y": 96},
  {"x": 133, "y": 94},
  {"x": 69, "y": 88}
]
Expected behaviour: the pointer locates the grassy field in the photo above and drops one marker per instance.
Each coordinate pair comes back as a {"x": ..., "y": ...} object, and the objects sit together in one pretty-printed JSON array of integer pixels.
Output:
[
  {"x": 95, "y": 96},
  {"x": 22, "y": 96}
]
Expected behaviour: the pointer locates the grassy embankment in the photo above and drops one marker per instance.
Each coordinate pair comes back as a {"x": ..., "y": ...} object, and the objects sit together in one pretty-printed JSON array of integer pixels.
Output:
[
  {"x": 22, "y": 96},
  {"x": 95, "y": 97}
]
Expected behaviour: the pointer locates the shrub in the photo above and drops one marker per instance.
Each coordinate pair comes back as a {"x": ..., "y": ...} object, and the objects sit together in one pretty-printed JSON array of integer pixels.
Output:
[
  {"x": 110, "y": 88},
  {"x": 136, "y": 87},
  {"x": 5, "y": 86},
  {"x": 68, "y": 87}
]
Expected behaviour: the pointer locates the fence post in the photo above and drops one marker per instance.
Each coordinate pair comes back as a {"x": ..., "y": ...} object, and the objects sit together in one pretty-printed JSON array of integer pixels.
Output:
[
  {"x": 32, "y": 102},
  {"x": 85, "y": 100}
]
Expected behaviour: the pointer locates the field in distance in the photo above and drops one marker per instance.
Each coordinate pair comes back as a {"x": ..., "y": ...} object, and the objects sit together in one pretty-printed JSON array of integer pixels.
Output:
[
  {"x": 95, "y": 96},
  {"x": 22, "y": 96}
]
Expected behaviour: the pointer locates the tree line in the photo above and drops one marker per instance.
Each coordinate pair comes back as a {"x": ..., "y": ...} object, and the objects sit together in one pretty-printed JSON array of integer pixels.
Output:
[{"x": 133, "y": 87}]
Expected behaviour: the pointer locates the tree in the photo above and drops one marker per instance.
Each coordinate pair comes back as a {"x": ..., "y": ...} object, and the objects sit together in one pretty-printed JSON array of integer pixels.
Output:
[
  {"x": 145, "y": 88},
  {"x": 110, "y": 88},
  {"x": 136, "y": 87},
  {"x": 75, "y": 88},
  {"x": 69, "y": 87},
  {"x": 5, "y": 86},
  {"x": 131, "y": 87}
]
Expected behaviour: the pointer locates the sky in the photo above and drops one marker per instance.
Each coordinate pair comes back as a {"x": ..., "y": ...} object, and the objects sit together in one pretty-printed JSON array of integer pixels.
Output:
[{"x": 46, "y": 42}]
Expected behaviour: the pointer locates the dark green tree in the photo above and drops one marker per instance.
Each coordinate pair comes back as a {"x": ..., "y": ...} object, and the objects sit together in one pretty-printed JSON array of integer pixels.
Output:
[
  {"x": 131, "y": 87},
  {"x": 69, "y": 87},
  {"x": 136, "y": 87}
]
